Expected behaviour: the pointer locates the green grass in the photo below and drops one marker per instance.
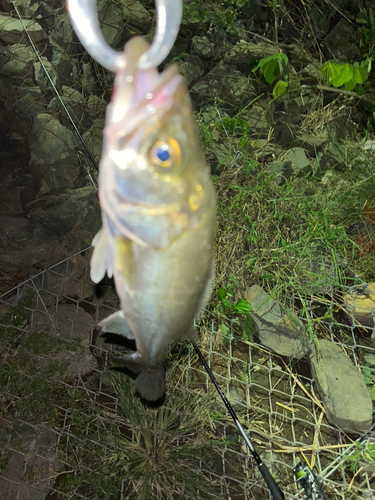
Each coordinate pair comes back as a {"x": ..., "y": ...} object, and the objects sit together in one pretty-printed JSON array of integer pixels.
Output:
[{"x": 155, "y": 453}]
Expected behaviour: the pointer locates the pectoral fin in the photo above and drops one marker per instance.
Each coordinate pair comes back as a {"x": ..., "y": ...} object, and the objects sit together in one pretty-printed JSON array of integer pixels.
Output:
[
  {"x": 101, "y": 260},
  {"x": 116, "y": 323}
]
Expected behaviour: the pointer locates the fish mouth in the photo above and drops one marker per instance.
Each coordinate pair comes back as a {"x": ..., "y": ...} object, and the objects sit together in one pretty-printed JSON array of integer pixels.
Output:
[{"x": 139, "y": 94}]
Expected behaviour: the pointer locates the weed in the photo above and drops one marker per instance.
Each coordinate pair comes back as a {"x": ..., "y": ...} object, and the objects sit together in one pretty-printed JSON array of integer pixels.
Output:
[
  {"x": 221, "y": 14},
  {"x": 362, "y": 454},
  {"x": 349, "y": 75},
  {"x": 153, "y": 453},
  {"x": 240, "y": 310},
  {"x": 273, "y": 67}
]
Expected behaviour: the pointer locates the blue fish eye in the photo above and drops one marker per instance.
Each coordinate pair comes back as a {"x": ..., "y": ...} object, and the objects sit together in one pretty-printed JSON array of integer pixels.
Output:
[
  {"x": 166, "y": 155},
  {"x": 162, "y": 153}
]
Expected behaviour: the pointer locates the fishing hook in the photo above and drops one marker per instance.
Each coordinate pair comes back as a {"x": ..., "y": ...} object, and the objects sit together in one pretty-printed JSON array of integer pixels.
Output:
[{"x": 84, "y": 17}]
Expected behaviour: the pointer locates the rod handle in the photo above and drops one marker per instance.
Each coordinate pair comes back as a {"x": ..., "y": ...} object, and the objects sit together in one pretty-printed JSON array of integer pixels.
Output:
[{"x": 277, "y": 494}]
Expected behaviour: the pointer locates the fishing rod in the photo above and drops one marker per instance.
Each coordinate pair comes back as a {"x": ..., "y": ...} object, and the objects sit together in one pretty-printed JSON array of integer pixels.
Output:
[{"x": 276, "y": 492}]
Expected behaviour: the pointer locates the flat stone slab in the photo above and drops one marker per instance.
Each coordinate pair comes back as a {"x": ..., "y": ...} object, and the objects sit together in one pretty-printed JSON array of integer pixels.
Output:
[
  {"x": 278, "y": 330},
  {"x": 345, "y": 396}
]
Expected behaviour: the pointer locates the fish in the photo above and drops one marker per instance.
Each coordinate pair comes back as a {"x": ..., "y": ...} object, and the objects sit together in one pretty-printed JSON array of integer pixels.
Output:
[{"x": 158, "y": 207}]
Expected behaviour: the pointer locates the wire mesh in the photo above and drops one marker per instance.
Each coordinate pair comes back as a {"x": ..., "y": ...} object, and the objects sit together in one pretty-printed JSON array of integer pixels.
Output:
[{"x": 56, "y": 408}]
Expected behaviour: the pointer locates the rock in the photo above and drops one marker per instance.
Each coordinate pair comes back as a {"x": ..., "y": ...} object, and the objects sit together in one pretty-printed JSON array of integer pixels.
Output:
[
  {"x": 77, "y": 106},
  {"x": 30, "y": 472},
  {"x": 342, "y": 156},
  {"x": 95, "y": 106},
  {"x": 12, "y": 31},
  {"x": 319, "y": 165},
  {"x": 320, "y": 21},
  {"x": 257, "y": 118},
  {"x": 282, "y": 171},
  {"x": 224, "y": 83},
  {"x": 300, "y": 103},
  {"x": 369, "y": 145},
  {"x": 62, "y": 33},
  {"x": 111, "y": 17},
  {"x": 312, "y": 143},
  {"x": 202, "y": 47},
  {"x": 313, "y": 71},
  {"x": 136, "y": 14},
  {"x": 58, "y": 226},
  {"x": 341, "y": 41},
  {"x": 298, "y": 159},
  {"x": 41, "y": 77},
  {"x": 279, "y": 330},
  {"x": 244, "y": 52},
  {"x": 20, "y": 64},
  {"x": 71, "y": 324},
  {"x": 344, "y": 394},
  {"x": 94, "y": 139},
  {"x": 51, "y": 161},
  {"x": 361, "y": 304},
  {"x": 191, "y": 69},
  {"x": 284, "y": 133},
  {"x": 30, "y": 103},
  {"x": 336, "y": 129},
  {"x": 236, "y": 398},
  {"x": 89, "y": 83}
]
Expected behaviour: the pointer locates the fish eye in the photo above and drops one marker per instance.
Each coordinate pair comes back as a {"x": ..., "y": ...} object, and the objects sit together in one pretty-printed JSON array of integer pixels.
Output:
[{"x": 166, "y": 155}]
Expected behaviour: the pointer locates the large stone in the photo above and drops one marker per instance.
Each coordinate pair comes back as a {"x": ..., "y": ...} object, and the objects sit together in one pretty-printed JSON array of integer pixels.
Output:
[
  {"x": 191, "y": 68},
  {"x": 361, "y": 304},
  {"x": 20, "y": 64},
  {"x": 111, "y": 16},
  {"x": 12, "y": 31},
  {"x": 52, "y": 158},
  {"x": 57, "y": 226},
  {"x": 258, "y": 119},
  {"x": 203, "y": 47},
  {"x": 279, "y": 330},
  {"x": 224, "y": 83},
  {"x": 41, "y": 77},
  {"x": 282, "y": 170},
  {"x": 344, "y": 394},
  {"x": 31, "y": 471},
  {"x": 341, "y": 41},
  {"x": 136, "y": 14},
  {"x": 244, "y": 52},
  {"x": 298, "y": 159}
]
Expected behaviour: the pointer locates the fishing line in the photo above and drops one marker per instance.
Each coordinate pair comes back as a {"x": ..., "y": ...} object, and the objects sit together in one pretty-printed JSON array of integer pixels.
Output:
[
  {"x": 276, "y": 492},
  {"x": 54, "y": 88}
]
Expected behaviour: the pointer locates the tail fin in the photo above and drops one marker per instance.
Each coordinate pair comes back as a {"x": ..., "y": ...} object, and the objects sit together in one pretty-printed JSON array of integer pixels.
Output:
[{"x": 150, "y": 382}]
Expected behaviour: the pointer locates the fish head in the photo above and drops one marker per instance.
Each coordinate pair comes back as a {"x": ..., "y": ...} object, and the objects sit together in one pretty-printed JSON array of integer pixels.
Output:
[{"x": 153, "y": 177}]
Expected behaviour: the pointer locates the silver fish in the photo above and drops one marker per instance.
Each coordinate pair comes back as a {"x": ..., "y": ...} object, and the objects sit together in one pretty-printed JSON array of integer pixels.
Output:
[{"x": 158, "y": 216}]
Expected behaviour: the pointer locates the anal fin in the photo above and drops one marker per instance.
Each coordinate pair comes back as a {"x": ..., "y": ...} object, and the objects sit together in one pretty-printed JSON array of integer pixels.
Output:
[{"x": 116, "y": 323}]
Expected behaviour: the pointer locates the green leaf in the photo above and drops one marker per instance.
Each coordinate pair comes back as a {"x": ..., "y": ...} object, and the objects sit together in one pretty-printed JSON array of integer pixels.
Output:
[
  {"x": 372, "y": 393},
  {"x": 269, "y": 71},
  {"x": 227, "y": 337},
  {"x": 345, "y": 74},
  {"x": 350, "y": 85},
  {"x": 243, "y": 306},
  {"x": 228, "y": 306},
  {"x": 367, "y": 375},
  {"x": 249, "y": 328},
  {"x": 279, "y": 89},
  {"x": 221, "y": 293}
]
